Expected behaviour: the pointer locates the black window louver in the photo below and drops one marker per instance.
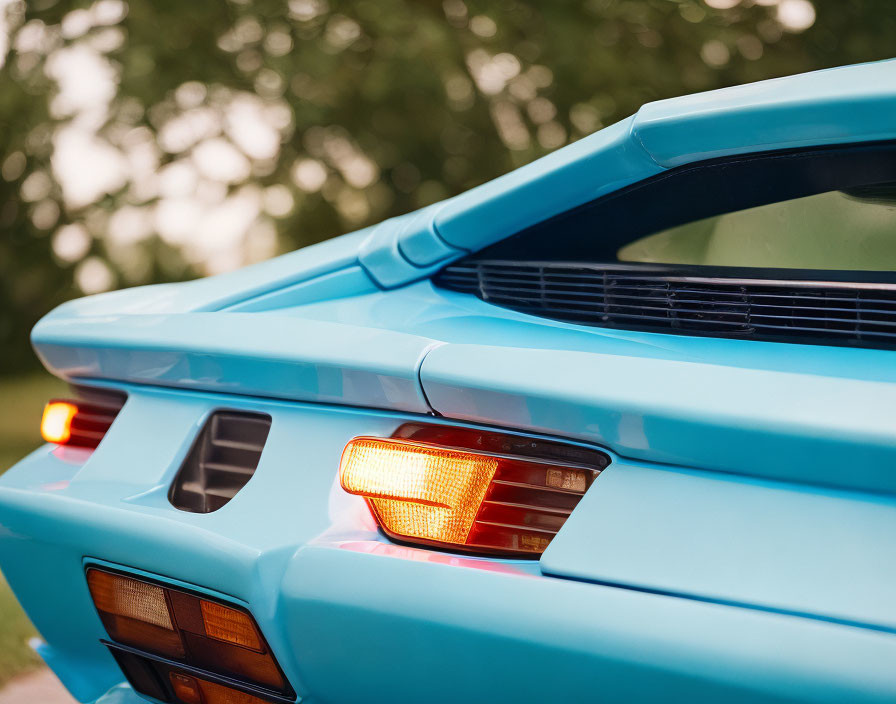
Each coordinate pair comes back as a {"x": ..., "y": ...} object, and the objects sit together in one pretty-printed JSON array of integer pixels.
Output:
[
  {"x": 223, "y": 458},
  {"x": 637, "y": 298}
]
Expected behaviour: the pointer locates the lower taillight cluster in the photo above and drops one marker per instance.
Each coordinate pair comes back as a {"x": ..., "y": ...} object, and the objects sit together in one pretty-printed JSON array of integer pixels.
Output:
[
  {"x": 182, "y": 648},
  {"x": 468, "y": 489}
]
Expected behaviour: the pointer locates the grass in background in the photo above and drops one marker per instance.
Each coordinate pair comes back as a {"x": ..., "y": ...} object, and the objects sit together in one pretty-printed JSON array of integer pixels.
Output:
[
  {"x": 15, "y": 630},
  {"x": 21, "y": 402}
]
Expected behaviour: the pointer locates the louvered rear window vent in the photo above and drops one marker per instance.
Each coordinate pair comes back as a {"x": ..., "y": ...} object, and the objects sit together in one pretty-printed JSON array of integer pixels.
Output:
[
  {"x": 635, "y": 297},
  {"x": 221, "y": 461}
]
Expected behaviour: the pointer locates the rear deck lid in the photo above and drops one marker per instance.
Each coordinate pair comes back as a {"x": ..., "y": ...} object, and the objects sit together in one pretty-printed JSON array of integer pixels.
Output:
[{"x": 768, "y": 486}]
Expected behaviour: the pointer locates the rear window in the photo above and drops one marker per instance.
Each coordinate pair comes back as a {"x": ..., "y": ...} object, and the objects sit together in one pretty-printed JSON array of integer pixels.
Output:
[
  {"x": 834, "y": 230},
  {"x": 786, "y": 214}
]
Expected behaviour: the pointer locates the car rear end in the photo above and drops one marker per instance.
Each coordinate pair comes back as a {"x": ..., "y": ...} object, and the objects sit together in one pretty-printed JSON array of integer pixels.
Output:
[
  {"x": 666, "y": 581},
  {"x": 406, "y": 466}
]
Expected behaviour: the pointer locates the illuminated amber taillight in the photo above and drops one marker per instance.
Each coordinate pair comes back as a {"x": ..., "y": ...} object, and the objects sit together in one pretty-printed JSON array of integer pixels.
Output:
[
  {"x": 418, "y": 491},
  {"x": 56, "y": 423},
  {"x": 78, "y": 423},
  {"x": 180, "y": 626},
  {"x": 474, "y": 490}
]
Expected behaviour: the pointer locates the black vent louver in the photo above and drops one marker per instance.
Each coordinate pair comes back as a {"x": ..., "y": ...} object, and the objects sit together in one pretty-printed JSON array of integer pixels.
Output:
[
  {"x": 221, "y": 461},
  {"x": 638, "y": 298}
]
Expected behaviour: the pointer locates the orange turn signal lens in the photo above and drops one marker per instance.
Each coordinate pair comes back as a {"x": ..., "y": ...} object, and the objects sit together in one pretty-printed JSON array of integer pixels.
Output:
[
  {"x": 483, "y": 492},
  {"x": 418, "y": 491},
  {"x": 231, "y": 626},
  {"x": 56, "y": 424}
]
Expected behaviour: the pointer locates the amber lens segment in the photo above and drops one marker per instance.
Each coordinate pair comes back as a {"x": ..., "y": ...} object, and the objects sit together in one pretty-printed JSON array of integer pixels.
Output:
[
  {"x": 135, "y": 613},
  {"x": 56, "y": 423},
  {"x": 195, "y": 690},
  {"x": 123, "y": 596},
  {"x": 415, "y": 490},
  {"x": 230, "y": 626},
  {"x": 186, "y": 688},
  {"x": 219, "y": 694}
]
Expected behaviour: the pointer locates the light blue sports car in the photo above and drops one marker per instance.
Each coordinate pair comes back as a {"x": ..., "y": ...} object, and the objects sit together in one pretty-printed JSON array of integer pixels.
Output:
[{"x": 619, "y": 426}]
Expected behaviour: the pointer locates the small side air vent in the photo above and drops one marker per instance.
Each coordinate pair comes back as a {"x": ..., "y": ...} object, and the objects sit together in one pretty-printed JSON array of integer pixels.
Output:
[
  {"x": 639, "y": 298},
  {"x": 221, "y": 461}
]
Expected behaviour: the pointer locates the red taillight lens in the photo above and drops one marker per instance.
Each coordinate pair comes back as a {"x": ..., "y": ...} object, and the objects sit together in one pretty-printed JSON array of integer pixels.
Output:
[
  {"x": 77, "y": 423},
  {"x": 484, "y": 492},
  {"x": 180, "y": 626}
]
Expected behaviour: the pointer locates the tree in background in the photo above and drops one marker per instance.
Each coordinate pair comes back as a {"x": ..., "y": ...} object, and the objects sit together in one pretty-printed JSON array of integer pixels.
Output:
[{"x": 158, "y": 140}]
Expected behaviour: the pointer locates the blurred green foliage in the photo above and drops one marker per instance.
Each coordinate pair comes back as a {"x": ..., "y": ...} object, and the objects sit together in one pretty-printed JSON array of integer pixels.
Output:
[{"x": 377, "y": 107}]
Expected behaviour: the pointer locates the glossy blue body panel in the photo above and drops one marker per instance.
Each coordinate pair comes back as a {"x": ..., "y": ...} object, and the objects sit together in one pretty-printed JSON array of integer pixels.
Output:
[
  {"x": 492, "y": 636},
  {"x": 346, "y": 612},
  {"x": 783, "y": 547},
  {"x": 807, "y": 413},
  {"x": 660, "y": 398},
  {"x": 787, "y": 424},
  {"x": 738, "y": 547},
  {"x": 834, "y": 106},
  {"x": 598, "y": 164},
  {"x": 226, "y": 290},
  {"x": 242, "y": 353},
  {"x": 406, "y": 248}
]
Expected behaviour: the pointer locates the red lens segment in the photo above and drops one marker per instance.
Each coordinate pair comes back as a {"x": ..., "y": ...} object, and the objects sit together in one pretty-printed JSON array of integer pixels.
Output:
[{"x": 77, "y": 423}]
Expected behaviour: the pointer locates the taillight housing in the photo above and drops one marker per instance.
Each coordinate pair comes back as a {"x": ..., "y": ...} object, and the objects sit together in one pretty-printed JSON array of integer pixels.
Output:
[
  {"x": 186, "y": 645},
  {"x": 468, "y": 489},
  {"x": 79, "y": 423}
]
